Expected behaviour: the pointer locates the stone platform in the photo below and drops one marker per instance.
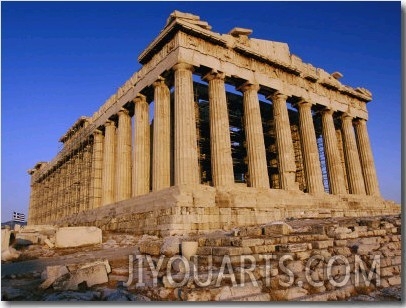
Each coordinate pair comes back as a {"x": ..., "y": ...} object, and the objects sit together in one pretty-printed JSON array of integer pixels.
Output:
[{"x": 189, "y": 209}]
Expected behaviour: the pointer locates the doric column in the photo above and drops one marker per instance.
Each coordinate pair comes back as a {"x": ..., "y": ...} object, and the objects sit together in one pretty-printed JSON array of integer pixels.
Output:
[
  {"x": 108, "y": 163},
  {"x": 185, "y": 145},
  {"x": 61, "y": 191},
  {"x": 310, "y": 152},
  {"x": 141, "y": 157},
  {"x": 286, "y": 154},
  {"x": 333, "y": 160},
  {"x": 97, "y": 169},
  {"x": 354, "y": 171},
  {"x": 220, "y": 144},
  {"x": 68, "y": 187},
  {"x": 161, "y": 176},
  {"x": 254, "y": 136},
  {"x": 32, "y": 205},
  {"x": 55, "y": 202},
  {"x": 85, "y": 179},
  {"x": 122, "y": 188},
  {"x": 366, "y": 158}
]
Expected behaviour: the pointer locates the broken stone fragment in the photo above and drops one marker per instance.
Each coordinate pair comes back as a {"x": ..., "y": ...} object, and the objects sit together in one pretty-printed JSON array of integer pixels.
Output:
[
  {"x": 170, "y": 246},
  {"x": 49, "y": 243},
  {"x": 53, "y": 273},
  {"x": 10, "y": 254},
  {"x": 92, "y": 275}
]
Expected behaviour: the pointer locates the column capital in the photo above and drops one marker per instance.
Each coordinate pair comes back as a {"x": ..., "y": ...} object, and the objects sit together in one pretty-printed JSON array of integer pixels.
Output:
[
  {"x": 183, "y": 66},
  {"x": 109, "y": 123},
  {"x": 248, "y": 86},
  {"x": 214, "y": 74},
  {"x": 360, "y": 121},
  {"x": 327, "y": 111},
  {"x": 277, "y": 96},
  {"x": 97, "y": 132},
  {"x": 139, "y": 98},
  {"x": 346, "y": 116},
  {"x": 123, "y": 111},
  {"x": 159, "y": 82},
  {"x": 304, "y": 104}
]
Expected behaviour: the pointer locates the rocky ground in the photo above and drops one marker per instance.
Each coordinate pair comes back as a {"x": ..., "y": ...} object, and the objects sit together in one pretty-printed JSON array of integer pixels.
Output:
[{"x": 23, "y": 277}]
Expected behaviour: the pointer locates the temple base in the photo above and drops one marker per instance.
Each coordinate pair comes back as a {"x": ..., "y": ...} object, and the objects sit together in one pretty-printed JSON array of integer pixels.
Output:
[{"x": 182, "y": 210}]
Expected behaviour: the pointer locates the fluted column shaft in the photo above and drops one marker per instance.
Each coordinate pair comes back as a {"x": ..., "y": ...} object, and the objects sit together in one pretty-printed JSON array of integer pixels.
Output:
[
  {"x": 310, "y": 152},
  {"x": 86, "y": 179},
  {"x": 108, "y": 163},
  {"x": 97, "y": 170},
  {"x": 220, "y": 144},
  {"x": 354, "y": 171},
  {"x": 141, "y": 157},
  {"x": 366, "y": 158},
  {"x": 61, "y": 191},
  {"x": 254, "y": 136},
  {"x": 334, "y": 167},
  {"x": 161, "y": 154},
  {"x": 286, "y": 154},
  {"x": 122, "y": 188},
  {"x": 185, "y": 143}
]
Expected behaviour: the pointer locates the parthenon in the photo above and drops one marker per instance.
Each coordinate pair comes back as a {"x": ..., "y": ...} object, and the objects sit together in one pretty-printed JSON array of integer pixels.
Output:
[{"x": 215, "y": 130}]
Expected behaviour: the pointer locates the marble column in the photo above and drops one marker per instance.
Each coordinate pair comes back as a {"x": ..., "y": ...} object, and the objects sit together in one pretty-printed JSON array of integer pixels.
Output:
[
  {"x": 286, "y": 154},
  {"x": 354, "y": 171},
  {"x": 141, "y": 157},
  {"x": 185, "y": 143},
  {"x": 366, "y": 158},
  {"x": 161, "y": 153},
  {"x": 55, "y": 203},
  {"x": 61, "y": 191},
  {"x": 334, "y": 166},
  {"x": 254, "y": 136},
  {"x": 220, "y": 144},
  {"x": 122, "y": 188},
  {"x": 86, "y": 179},
  {"x": 108, "y": 163},
  {"x": 310, "y": 152},
  {"x": 97, "y": 170}
]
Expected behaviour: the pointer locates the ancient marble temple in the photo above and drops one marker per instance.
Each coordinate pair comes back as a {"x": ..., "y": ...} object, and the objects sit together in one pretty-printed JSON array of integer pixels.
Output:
[{"x": 242, "y": 132}]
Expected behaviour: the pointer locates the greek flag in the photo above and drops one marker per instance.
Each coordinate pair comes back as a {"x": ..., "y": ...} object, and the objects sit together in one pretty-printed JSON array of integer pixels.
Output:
[{"x": 18, "y": 217}]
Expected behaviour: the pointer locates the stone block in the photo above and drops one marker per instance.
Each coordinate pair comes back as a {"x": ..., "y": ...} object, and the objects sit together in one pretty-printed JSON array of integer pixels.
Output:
[
  {"x": 228, "y": 293},
  {"x": 322, "y": 244},
  {"x": 289, "y": 294},
  {"x": 292, "y": 247},
  {"x": 295, "y": 266},
  {"x": 53, "y": 273},
  {"x": 152, "y": 248},
  {"x": 189, "y": 249},
  {"x": 340, "y": 243},
  {"x": 204, "y": 251},
  {"x": 231, "y": 251},
  {"x": 9, "y": 254},
  {"x": 345, "y": 235},
  {"x": 92, "y": 275},
  {"x": 170, "y": 246},
  {"x": 263, "y": 249},
  {"x": 277, "y": 228},
  {"x": 250, "y": 242},
  {"x": 77, "y": 236},
  {"x": 49, "y": 243},
  {"x": 5, "y": 238},
  {"x": 396, "y": 280},
  {"x": 27, "y": 238}
]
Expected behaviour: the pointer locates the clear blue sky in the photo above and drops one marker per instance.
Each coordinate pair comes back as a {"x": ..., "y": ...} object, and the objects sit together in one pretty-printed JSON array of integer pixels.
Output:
[{"x": 61, "y": 60}]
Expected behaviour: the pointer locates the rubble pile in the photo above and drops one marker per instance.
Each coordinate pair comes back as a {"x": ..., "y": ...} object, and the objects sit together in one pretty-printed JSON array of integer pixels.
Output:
[{"x": 298, "y": 260}]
